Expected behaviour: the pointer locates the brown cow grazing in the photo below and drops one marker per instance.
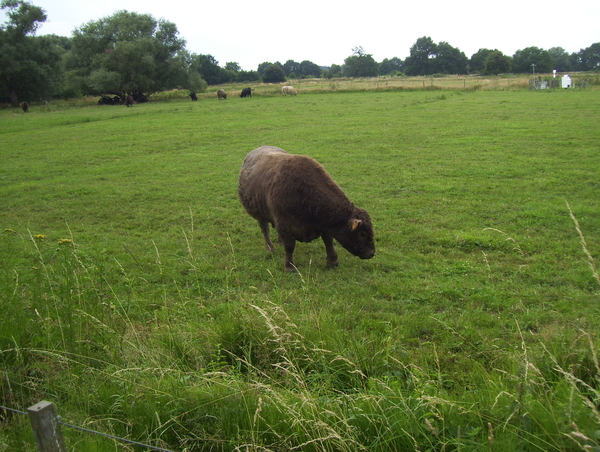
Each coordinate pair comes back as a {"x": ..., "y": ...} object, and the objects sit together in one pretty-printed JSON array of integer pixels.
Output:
[
  {"x": 221, "y": 94},
  {"x": 25, "y": 106},
  {"x": 301, "y": 201},
  {"x": 128, "y": 101},
  {"x": 193, "y": 96}
]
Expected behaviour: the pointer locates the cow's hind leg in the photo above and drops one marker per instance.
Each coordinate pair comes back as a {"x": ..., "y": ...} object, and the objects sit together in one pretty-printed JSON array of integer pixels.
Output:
[
  {"x": 264, "y": 227},
  {"x": 332, "y": 257}
]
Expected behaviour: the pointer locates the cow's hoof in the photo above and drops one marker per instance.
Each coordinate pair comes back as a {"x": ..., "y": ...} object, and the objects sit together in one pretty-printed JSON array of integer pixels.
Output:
[
  {"x": 290, "y": 268},
  {"x": 333, "y": 264}
]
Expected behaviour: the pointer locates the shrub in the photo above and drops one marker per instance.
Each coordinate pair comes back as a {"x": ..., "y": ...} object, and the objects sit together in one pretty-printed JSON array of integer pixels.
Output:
[{"x": 273, "y": 74}]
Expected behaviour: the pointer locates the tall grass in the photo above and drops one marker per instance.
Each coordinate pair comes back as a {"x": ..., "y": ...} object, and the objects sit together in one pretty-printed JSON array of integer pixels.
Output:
[
  {"x": 138, "y": 297},
  {"x": 591, "y": 261}
]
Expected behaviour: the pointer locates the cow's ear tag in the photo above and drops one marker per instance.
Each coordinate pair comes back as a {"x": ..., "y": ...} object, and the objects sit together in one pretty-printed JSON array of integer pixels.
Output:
[{"x": 354, "y": 224}]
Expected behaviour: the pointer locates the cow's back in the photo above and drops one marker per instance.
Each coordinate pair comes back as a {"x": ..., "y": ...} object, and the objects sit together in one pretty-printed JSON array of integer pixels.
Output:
[{"x": 276, "y": 185}]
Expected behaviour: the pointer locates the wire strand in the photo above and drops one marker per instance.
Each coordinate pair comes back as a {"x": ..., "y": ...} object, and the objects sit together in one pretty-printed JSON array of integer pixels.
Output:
[{"x": 106, "y": 435}]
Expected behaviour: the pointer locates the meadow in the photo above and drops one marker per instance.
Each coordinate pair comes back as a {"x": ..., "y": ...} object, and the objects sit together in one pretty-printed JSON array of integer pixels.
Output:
[{"x": 138, "y": 297}]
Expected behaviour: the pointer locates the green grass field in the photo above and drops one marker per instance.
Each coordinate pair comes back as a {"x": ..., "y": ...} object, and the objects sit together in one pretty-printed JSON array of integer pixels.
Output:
[{"x": 138, "y": 297}]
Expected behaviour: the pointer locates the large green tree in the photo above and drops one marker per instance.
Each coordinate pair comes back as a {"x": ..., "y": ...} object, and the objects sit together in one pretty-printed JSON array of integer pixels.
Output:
[
  {"x": 532, "y": 59},
  {"x": 29, "y": 65},
  {"x": 562, "y": 60},
  {"x": 587, "y": 59},
  {"x": 304, "y": 69},
  {"x": 291, "y": 67},
  {"x": 233, "y": 66},
  {"x": 208, "y": 68},
  {"x": 335, "y": 71},
  {"x": 262, "y": 67},
  {"x": 427, "y": 58},
  {"x": 126, "y": 53},
  {"x": 497, "y": 63},
  {"x": 309, "y": 69},
  {"x": 477, "y": 60},
  {"x": 422, "y": 53},
  {"x": 449, "y": 60},
  {"x": 190, "y": 78},
  {"x": 391, "y": 66},
  {"x": 592, "y": 57},
  {"x": 360, "y": 64}
]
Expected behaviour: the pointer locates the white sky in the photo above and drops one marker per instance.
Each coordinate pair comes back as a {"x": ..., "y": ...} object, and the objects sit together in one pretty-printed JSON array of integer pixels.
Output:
[{"x": 325, "y": 32}]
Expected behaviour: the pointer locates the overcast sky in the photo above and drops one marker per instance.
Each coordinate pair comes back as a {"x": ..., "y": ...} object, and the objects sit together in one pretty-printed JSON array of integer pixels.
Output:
[{"x": 325, "y": 32}]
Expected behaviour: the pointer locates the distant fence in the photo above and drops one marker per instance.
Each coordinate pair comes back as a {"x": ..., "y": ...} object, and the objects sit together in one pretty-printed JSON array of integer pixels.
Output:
[
  {"x": 48, "y": 435},
  {"x": 554, "y": 83},
  {"x": 538, "y": 83}
]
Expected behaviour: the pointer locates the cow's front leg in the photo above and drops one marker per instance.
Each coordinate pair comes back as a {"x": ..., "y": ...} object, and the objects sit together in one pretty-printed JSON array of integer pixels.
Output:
[
  {"x": 289, "y": 244},
  {"x": 332, "y": 257}
]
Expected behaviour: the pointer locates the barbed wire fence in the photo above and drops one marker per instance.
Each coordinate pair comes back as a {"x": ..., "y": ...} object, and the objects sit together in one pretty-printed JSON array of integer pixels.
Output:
[{"x": 46, "y": 427}]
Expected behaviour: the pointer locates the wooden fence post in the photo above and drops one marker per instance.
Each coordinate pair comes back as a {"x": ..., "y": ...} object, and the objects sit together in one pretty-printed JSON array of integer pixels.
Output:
[{"x": 46, "y": 427}]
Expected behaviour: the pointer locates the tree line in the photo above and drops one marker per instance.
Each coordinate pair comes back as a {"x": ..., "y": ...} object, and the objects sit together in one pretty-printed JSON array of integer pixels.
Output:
[{"x": 134, "y": 54}]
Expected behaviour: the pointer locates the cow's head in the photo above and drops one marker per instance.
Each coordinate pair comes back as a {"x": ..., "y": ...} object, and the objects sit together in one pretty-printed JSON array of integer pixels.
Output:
[{"x": 357, "y": 235}]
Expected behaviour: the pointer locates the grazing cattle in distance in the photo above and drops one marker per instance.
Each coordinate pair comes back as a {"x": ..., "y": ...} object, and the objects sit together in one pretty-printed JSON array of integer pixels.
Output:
[
  {"x": 25, "y": 106},
  {"x": 246, "y": 92},
  {"x": 221, "y": 94},
  {"x": 288, "y": 90},
  {"x": 106, "y": 100},
  {"x": 193, "y": 96},
  {"x": 128, "y": 101},
  {"x": 295, "y": 195}
]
